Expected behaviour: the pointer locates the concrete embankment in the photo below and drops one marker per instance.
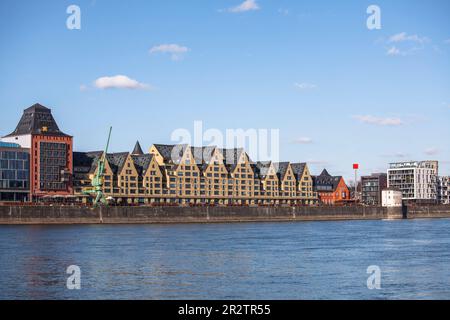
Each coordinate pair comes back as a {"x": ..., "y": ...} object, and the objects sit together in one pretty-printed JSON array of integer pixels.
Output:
[
  {"x": 143, "y": 215},
  {"x": 428, "y": 212}
]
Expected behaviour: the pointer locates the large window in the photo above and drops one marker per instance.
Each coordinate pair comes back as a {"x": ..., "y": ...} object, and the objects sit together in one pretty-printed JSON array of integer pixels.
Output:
[
  {"x": 53, "y": 161},
  {"x": 14, "y": 170}
]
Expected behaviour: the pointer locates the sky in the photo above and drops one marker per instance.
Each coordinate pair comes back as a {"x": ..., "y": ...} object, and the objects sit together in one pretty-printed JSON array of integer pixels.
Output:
[{"x": 338, "y": 92}]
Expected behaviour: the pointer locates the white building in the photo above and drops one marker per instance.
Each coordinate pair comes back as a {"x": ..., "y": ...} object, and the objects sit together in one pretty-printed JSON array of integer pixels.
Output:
[
  {"x": 443, "y": 190},
  {"x": 391, "y": 198},
  {"x": 417, "y": 180}
]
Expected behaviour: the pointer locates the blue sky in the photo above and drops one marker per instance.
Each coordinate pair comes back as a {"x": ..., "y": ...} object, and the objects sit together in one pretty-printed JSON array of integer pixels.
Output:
[{"x": 339, "y": 92}]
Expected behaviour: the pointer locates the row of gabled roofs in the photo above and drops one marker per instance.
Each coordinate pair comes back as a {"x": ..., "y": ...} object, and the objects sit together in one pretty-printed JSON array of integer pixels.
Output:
[{"x": 202, "y": 157}]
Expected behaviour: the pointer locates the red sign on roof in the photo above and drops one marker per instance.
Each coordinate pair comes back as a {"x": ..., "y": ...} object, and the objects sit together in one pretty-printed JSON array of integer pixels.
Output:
[{"x": 356, "y": 166}]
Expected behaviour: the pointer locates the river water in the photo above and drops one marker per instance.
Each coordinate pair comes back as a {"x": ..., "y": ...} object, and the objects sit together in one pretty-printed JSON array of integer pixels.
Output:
[{"x": 298, "y": 260}]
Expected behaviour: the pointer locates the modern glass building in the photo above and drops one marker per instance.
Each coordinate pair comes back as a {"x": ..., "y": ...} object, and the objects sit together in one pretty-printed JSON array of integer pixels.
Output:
[{"x": 14, "y": 172}]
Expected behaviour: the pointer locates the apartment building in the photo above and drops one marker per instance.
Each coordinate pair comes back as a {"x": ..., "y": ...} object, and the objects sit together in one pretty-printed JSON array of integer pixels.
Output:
[
  {"x": 241, "y": 176},
  {"x": 181, "y": 174},
  {"x": 128, "y": 177},
  {"x": 266, "y": 174},
  {"x": 443, "y": 190},
  {"x": 287, "y": 183},
  {"x": 305, "y": 190},
  {"x": 418, "y": 180},
  {"x": 371, "y": 188}
]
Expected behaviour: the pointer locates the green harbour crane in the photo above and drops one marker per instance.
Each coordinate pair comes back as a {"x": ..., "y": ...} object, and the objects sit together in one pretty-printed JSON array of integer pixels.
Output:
[{"x": 96, "y": 188}]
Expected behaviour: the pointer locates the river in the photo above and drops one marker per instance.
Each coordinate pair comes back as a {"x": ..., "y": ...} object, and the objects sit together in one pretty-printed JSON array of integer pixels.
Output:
[{"x": 296, "y": 260}]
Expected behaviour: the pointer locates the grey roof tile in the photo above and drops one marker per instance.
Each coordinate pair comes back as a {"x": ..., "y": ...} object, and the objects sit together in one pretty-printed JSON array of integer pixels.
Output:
[{"x": 34, "y": 119}]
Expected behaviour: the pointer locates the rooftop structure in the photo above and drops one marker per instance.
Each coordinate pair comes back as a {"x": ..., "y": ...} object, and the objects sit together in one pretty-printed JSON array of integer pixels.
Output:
[{"x": 416, "y": 179}]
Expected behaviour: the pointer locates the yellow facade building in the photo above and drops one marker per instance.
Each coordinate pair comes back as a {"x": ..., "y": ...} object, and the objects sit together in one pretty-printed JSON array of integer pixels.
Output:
[{"x": 185, "y": 175}]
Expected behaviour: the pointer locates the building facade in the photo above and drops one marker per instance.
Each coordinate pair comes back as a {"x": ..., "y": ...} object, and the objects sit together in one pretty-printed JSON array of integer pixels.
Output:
[
  {"x": 14, "y": 173},
  {"x": 50, "y": 152},
  {"x": 418, "y": 180},
  {"x": 305, "y": 189},
  {"x": 371, "y": 188},
  {"x": 391, "y": 198},
  {"x": 185, "y": 175},
  {"x": 331, "y": 190},
  {"x": 443, "y": 190}
]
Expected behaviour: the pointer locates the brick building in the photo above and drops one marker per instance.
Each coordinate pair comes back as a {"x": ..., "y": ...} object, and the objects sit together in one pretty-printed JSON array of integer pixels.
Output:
[
  {"x": 50, "y": 152},
  {"x": 330, "y": 189}
]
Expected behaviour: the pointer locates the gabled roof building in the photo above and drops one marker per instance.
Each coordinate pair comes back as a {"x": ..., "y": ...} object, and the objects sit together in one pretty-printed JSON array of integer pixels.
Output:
[{"x": 330, "y": 189}]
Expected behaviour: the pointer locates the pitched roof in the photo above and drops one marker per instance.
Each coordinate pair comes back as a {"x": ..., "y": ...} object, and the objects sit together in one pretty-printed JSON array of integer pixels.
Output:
[
  {"x": 281, "y": 169},
  {"x": 298, "y": 169},
  {"x": 137, "y": 149},
  {"x": 171, "y": 153},
  {"x": 117, "y": 161},
  {"x": 326, "y": 182},
  {"x": 37, "y": 119},
  {"x": 203, "y": 155},
  {"x": 231, "y": 157},
  {"x": 262, "y": 168},
  {"x": 142, "y": 162},
  {"x": 86, "y": 162}
]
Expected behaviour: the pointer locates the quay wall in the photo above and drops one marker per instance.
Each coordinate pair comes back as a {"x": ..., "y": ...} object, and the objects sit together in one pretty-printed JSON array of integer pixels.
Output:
[
  {"x": 148, "y": 215},
  {"x": 429, "y": 212}
]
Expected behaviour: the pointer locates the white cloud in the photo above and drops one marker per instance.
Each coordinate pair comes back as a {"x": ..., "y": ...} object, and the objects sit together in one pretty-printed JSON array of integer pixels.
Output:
[
  {"x": 431, "y": 151},
  {"x": 394, "y": 51},
  {"x": 119, "y": 82},
  {"x": 303, "y": 140},
  {"x": 176, "y": 51},
  {"x": 402, "y": 44},
  {"x": 403, "y": 36},
  {"x": 379, "y": 121},
  {"x": 305, "y": 86},
  {"x": 247, "y": 5},
  {"x": 83, "y": 87}
]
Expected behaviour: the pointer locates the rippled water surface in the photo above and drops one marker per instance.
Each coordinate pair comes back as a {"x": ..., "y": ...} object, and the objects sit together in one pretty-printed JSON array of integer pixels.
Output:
[{"x": 304, "y": 260}]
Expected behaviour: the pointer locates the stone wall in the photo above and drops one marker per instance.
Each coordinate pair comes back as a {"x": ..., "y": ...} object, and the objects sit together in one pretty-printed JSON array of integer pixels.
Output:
[
  {"x": 423, "y": 212},
  {"x": 83, "y": 215}
]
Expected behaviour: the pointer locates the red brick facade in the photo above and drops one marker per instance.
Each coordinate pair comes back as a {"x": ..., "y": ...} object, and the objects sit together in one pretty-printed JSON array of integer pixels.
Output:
[
  {"x": 64, "y": 170},
  {"x": 338, "y": 195}
]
